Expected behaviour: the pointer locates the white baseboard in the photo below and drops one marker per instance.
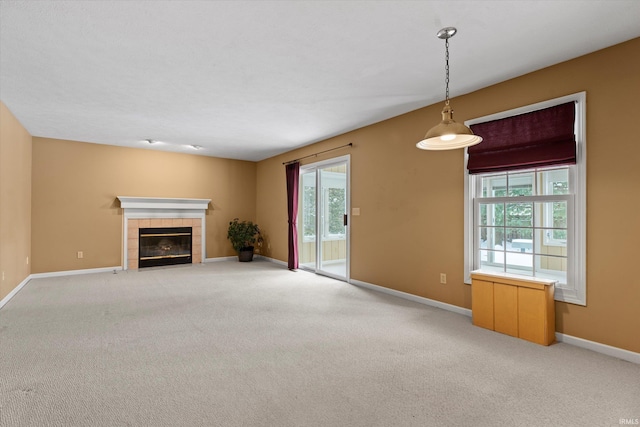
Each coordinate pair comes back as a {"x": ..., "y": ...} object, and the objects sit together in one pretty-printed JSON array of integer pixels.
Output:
[
  {"x": 14, "y": 291},
  {"x": 608, "y": 350},
  {"x": 411, "y": 297},
  {"x": 620, "y": 353},
  {"x": 273, "y": 260},
  {"x": 222, "y": 258},
  {"x": 235, "y": 258},
  {"x": 76, "y": 272}
]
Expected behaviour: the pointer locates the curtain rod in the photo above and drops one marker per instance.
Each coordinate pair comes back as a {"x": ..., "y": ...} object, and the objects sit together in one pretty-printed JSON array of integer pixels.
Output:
[{"x": 321, "y": 152}]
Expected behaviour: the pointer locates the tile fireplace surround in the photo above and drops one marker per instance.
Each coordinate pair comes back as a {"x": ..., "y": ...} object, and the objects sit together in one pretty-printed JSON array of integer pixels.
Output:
[{"x": 149, "y": 212}]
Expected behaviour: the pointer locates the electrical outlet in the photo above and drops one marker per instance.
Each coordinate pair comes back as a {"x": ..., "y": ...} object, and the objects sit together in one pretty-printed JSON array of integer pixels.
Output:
[
  {"x": 443, "y": 278},
  {"x": 80, "y": 254},
  {"x": 3, "y": 276},
  {"x": 27, "y": 260}
]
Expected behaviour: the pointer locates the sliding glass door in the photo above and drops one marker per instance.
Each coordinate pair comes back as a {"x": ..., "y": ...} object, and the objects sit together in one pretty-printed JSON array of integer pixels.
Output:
[{"x": 324, "y": 231}]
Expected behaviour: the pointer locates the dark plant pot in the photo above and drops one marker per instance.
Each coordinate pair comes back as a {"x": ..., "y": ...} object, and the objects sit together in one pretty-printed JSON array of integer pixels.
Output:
[{"x": 246, "y": 254}]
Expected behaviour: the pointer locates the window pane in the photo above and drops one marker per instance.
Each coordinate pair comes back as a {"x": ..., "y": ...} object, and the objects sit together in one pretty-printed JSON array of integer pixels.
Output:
[
  {"x": 555, "y": 181},
  {"x": 307, "y": 219},
  {"x": 553, "y": 263},
  {"x": 519, "y": 246},
  {"x": 309, "y": 205},
  {"x": 492, "y": 260},
  {"x": 492, "y": 214},
  {"x": 559, "y": 214},
  {"x": 552, "y": 217},
  {"x": 520, "y": 240},
  {"x": 491, "y": 238},
  {"x": 541, "y": 242},
  {"x": 552, "y": 267},
  {"x": 494, "y": 185},
  {"x": 483, "y": 214},
  {"x": 520, "y": 263},
  {"x": 309, "y": 213},
  {"x": 337, "y": 207},
  {"x": 521, "y": 184},
  {"x": 519, "y": 214}
]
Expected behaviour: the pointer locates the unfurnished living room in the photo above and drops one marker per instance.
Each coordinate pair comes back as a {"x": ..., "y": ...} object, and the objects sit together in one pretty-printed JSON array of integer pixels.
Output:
[{"x": 319, "y": 213}]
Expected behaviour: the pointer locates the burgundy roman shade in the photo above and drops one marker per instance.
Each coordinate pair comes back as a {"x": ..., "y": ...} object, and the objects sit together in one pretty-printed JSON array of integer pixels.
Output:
[{"x": 536, "y": 139}]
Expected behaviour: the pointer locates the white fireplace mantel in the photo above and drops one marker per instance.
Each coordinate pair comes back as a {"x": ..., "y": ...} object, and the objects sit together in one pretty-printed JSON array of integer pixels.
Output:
[
  {"x": 154, "y": 203},
  {"x": 161, "y": 207}
]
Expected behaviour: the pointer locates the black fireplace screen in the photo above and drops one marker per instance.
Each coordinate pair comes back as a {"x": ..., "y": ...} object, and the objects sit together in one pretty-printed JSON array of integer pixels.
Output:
[{"x": 164, "y": 246}]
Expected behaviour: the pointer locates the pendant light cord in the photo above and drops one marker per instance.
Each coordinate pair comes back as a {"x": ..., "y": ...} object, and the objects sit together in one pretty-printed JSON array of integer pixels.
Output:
[{"x": 446, "y": 59}]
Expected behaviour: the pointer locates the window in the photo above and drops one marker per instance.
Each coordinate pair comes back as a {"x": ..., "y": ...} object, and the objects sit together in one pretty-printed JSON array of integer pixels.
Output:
[
  {"x": 333, "y": 199},
  {"x": 308, "y": 207},
  {"x": 522, "y": 226},
  {"x": 335, "y": 208},
  {"x": 531, "y": 222}
]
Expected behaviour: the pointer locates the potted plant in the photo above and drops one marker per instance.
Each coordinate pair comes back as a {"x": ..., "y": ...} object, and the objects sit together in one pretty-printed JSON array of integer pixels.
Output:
[{"x": 243, "y": 235}]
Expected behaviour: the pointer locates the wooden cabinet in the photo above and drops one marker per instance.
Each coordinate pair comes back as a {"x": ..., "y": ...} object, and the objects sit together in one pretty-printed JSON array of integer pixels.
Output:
[
  {"x": 514, "y": 305},
  {"x": 505, "y": 309}
]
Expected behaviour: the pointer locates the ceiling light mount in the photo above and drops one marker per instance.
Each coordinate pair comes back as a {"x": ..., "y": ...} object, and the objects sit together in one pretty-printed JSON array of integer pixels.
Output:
[
  {"x": 448, "y": 134},
  {"x": 447, "y": 33}
]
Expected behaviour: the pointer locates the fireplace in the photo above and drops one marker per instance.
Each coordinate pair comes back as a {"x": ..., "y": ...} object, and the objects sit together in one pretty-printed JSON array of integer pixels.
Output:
[
  {"x": 164, "y": 246},
  {"x": 141, "y": 213}
]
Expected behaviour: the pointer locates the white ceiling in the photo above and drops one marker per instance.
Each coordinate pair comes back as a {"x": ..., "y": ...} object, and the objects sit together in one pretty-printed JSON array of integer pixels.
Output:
[{"x": 252, "y": 79}]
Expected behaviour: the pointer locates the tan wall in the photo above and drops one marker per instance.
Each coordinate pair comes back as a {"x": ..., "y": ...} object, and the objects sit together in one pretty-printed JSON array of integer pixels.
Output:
[
  {"x": 75, "y": 185},
  {"x": 15, "y": 202},
  {"x": 411, "y": 201}
]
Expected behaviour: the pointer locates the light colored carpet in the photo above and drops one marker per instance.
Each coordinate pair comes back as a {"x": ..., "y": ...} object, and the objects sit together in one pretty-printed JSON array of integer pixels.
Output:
[{"x": 253, "y": 344}]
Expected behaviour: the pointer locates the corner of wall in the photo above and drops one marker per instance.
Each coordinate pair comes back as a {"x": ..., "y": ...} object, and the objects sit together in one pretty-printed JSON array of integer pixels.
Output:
[{"x": 15, "y": 202}]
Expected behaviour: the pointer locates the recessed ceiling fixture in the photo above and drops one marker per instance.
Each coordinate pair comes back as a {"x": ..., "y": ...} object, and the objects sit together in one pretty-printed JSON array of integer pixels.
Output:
[
  {"x": 448, "y": 134},
  {"x": 196, "y": 147},
  {"x": 150, "y": 141}
]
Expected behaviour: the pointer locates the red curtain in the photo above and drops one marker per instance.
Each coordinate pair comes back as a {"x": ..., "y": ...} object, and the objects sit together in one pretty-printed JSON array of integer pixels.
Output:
[
  {"x": 536, "y": 139},
  {"x": 293, "y": 176}
]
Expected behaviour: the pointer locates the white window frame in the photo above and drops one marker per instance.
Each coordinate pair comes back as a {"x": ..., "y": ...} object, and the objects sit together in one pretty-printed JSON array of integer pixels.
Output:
[
  {"x": 575, "y": 291},
  {"x": 346, "y": 159},
  {"x": 533, "y": 199}
]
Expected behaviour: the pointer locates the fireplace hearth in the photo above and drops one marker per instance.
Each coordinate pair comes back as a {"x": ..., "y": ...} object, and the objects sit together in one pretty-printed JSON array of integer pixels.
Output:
[{"x": 160, "y": 246}]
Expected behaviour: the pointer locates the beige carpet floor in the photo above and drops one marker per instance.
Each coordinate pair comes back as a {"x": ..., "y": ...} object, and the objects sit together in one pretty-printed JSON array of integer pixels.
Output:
[{"x": 253, "y": 344}]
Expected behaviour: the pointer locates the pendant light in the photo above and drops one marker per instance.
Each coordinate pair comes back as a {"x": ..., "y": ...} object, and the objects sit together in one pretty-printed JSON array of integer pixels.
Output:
[{"x": 448, "y": 134}]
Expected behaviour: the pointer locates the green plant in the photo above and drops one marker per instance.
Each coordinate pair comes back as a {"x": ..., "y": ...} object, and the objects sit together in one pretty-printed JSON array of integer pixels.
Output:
[{"x": 243, "y": 234}]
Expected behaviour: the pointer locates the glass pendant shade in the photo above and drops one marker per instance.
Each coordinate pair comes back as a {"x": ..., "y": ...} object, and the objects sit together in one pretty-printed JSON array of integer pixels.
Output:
[{"x": 448, "y": 134}]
